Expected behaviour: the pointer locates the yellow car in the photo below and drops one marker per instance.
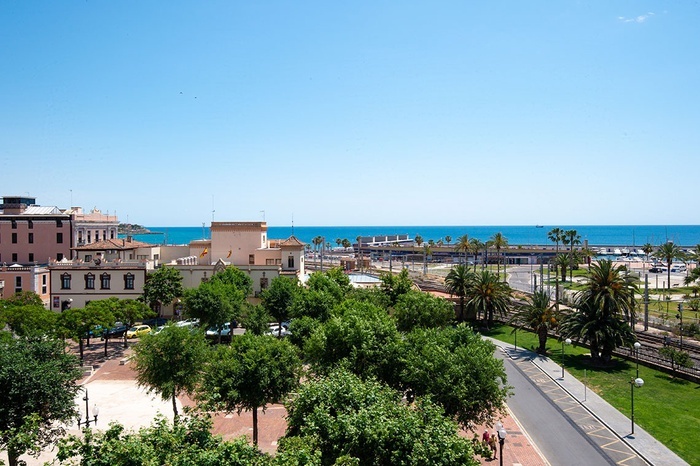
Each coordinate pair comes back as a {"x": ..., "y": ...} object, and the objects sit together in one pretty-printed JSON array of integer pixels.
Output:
[{"x": 138, "y": 331}]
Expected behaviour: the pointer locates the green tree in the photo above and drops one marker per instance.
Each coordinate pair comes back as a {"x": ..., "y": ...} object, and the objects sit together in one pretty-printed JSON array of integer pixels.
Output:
[
  {"x": 499, "y": 242},
  {"x": 647, "y": 249},
  {"x": 457, "y": 283},
  {"x": 448, "y": 238},
  {"x": 38, "y": 386},
  {"x": 537, "y": 314},
  {"x": 257, "y": 320},
  {"x": 601, "y": 311},
  {"x": 395, "y": 285},
  {"x": 572, "y": 239},
  {"x": 667, "y": 253},
  {"x": 456, "y": 368},
  {"x": 77, "y": 323},
  {"x": 359, "y": 337},
  {"x": 476, "y": 246},
  {"x": 677, "y": 358},
  {"x": 364, "y": 422},
  {"x": 169, "y": 363},
  {"x": 555, "y": 235},
  {"x": 251, "y": 373},
  {"x": 188, "y": 442},
  {"x": 418, "y": 240},
  {"x": 488, "y": 294},
  {"x": 463, "y": 245},
  {"x": 162, "y": 287},
  {"x": 277, "y": 299},
  {"x": 561, "y": 262},
  {"x": 346, "y": 243},
  {"x": 26, "y": 317},
  {"x": 419, "y": 309},
  {"x": 214, "y": 303},
  {"x": 235, "y": 277}
]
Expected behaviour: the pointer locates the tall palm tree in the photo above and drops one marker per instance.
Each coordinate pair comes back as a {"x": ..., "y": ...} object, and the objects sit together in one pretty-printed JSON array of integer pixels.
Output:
[
  {"x": 448, "y": 238},
  {"x": 418, "y": 240},
  {"x": 462, "y": 245},
  {"x": 426, "y": 253},
  {"x": 555, "y": 235},
  {"x": 573, "y": 239},
  {"x": 457, "y": 283},
  {"x": 488, "y": 294},
  {"x": 667, "y": 252},
  {"x": 537, "y": 314},
  {"x": 476, "y": 246},
  {"x": 647, "y": 249},
  {"x": 587, "y": 254},
  {"x": 499, "y": 241},
  {"x": 601, "y": 311},
  {"x": 561, "y": 262}
]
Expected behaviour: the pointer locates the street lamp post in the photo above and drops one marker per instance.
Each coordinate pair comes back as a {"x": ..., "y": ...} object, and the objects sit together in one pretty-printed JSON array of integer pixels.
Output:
[
  {"x": 568, "y": 342},
  {"x": 95, "y": 412},
  {"x": 637, "y": 345},
  {"x": 501, "y": 440},
  {"x": 638, "y": 383}
]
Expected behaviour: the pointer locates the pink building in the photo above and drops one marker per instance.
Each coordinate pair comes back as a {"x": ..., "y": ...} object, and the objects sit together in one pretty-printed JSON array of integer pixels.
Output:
[
  {"x": 15, "y": 278},
  {"x": 32, "y": 234}
]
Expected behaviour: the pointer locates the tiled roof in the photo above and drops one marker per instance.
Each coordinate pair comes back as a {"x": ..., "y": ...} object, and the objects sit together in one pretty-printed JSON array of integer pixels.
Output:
[
  {"x": 291, "y": 241},
  {"x": 118, "y": 244}
]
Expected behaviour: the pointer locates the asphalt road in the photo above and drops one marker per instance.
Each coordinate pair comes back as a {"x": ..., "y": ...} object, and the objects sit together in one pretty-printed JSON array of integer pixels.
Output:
[{"x": 556, "y": 436}]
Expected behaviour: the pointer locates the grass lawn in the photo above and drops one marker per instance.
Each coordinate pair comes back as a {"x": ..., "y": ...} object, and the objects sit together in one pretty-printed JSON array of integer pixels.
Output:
[{"x": 667, "y": 408}]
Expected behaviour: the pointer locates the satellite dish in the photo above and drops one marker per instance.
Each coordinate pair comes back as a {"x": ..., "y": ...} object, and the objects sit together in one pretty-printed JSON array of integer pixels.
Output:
[{"x": 98, "y": 261}]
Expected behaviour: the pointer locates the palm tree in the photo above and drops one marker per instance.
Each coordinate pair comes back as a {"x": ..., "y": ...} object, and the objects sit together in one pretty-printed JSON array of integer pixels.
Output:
[
  {"x": 667, "y": 252},
  {"x": 448, "y": 238},
  {"x": 462, "y": 245},
  {"x": 601, "y": 311},
  {"x": 555, "y": 235},
  {"x": 539, "y": 315},
  {"x": 647, "y": 249},
  {"x": 488, "y": 293},
  {"x": 476, "y": 246},
  {"x": 499, "y": 241},
  {"x": 587, "y": 254},
  {"x": 346, "y": 243},
  {"x": 426, "y": 253},
  {"x": 573, "y": 239},
  {"x": 561, "y": 262},
  {"x": 457, "y": 283},
  {"x": 419, "y": 240},
  {"x": 338, "y": 241}
]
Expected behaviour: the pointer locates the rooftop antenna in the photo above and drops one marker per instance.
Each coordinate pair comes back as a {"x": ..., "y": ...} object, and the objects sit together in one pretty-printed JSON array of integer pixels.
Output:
[
  {"x": 263, "y": 212},
  {"x": 212, "y": 208},
  {"x": 292, "y": 224}
]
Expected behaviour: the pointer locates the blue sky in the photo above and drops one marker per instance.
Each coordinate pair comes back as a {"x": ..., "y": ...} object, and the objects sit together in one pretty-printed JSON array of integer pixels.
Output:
[{"x": 354, "y": 113}]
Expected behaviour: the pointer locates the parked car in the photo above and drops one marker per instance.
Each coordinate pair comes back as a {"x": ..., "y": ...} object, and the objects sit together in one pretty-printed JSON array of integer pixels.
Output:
[
  {"x": 274, "y": 330},
  {"x": 657, "y": 270},
  {"x": 156, "y": 322},
  {"x": 213, "y": 332},
  {"x": 115, "y": 332},
  {"x": 138, "y": 331}
]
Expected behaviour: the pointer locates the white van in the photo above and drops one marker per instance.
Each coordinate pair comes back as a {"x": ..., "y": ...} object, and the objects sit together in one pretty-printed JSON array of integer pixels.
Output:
[{"x": 678, "y": 268}]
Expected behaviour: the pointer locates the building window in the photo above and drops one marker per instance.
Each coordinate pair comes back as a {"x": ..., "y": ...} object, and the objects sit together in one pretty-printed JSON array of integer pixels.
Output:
[
  {"x": 43, "y": 284},
  {"x": 14, "y": 224},
  {"x": 111, "y": 234},
  {"x": 129, "y": 281},
  {"x": 263, "y": 283},
  {"x": 88, "y": 240},
  {"x": 14, "y": 238},
  {"x": 59, "y": 223},
  {"x": 30, "y": 224},
  {"x": 89, "y": 281},
  {"x": 251, "y": 259},
  {"x": 31, "y": 257},
  {"x": 65, "y": 281},
  {"x": 290, "y": 262},
  {"x": 104, "y": 281},
  {"x": 269, "y": 262},
  {"x": 59, "y": 237},
  {"x": 97, "y": 236},
  {"x": 59, "y": 256},
  {"x": 18, "y": 284},
  {"x": 31, "y": 238},
  {"x": 88, "y": 257},
  {"x": 14, "y": 257},
  {"x": 278, "y": 261}
]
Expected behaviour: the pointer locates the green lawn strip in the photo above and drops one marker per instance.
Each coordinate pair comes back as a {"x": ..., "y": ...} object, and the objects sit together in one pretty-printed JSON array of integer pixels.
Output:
[{"x": 667, "y": 408}]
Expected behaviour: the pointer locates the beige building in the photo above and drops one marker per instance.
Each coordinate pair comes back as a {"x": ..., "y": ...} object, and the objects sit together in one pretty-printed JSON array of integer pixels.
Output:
[{"x": 92, "y": 227}]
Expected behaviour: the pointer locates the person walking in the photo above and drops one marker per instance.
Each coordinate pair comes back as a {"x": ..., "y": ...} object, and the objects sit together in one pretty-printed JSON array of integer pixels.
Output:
[{"x": 493, "y": 443}]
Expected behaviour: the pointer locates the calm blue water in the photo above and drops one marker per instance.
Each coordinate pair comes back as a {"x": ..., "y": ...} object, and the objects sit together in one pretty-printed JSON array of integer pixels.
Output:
[{"x": 597, "y": 235}]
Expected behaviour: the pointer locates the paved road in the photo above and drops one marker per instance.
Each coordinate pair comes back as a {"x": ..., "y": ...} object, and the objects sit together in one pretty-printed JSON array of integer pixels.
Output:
[{"x": 557, "y": 438}]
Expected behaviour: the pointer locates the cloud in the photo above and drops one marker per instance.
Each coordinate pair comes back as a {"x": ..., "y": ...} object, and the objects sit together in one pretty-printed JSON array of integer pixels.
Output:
[{"x": 636, "y": 19}]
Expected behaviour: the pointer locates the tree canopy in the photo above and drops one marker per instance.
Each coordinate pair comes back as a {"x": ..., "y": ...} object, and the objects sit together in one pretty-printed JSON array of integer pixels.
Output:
[
  {"x": 170, "y": 363},
  {"x": 162, "y": 286},
  {"x": 37, "y": 382}
]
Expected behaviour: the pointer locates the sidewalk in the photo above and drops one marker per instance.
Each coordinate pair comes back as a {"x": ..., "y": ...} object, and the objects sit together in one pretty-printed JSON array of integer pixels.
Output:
[{"x": 646, "y": 446}]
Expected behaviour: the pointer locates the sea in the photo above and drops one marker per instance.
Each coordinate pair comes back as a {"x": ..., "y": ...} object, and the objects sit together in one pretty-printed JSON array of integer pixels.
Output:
[{"x": 596, "y": 235}]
